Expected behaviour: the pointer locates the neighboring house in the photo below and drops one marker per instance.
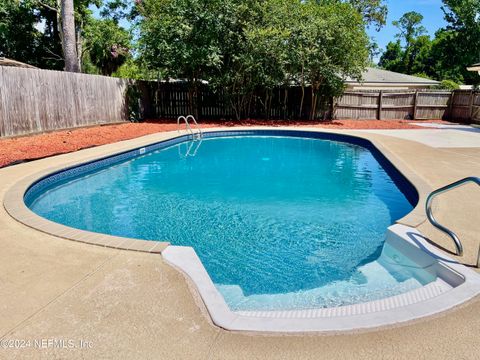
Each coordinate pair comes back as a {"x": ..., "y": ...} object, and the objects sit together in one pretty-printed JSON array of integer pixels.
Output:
[
  {"x": 474, "y": 68},
  {"x": 9, "y": 62},
  {"x": 378, "y": 79}
]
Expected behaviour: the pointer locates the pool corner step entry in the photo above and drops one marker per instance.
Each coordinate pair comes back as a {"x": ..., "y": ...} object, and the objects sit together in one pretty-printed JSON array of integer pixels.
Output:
[{"x": 454, "y": 284}]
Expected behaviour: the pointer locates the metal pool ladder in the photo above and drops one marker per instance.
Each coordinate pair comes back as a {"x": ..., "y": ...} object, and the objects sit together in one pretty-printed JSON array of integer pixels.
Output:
[
  {"x": 196, "y": 136},
  {"x": 434, "y": 222}
]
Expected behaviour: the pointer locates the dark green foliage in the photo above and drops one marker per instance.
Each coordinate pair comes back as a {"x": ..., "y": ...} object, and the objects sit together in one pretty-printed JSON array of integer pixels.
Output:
[
  {"x": 20, "y": 38},
  {"x": 106, "y": 45},
  {"x": 240, "y": 46},
  {"x": 448, "y": 55}
]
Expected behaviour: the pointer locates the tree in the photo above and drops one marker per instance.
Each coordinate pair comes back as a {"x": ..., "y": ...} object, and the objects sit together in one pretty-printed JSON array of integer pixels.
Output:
[
  {"x": 374, "y": 12},
  {"x": 69, "y": 41},
  {"x": 414, "y": 56},
  {"x": 18, "y": 18},
  {"x": 410, "y": 27},
  {"x": 460, "y": 39},
  {"x": 248, "y": 47},
  {"x": 106, "y": 45},
  {"x": 420, "y": 59},
  {"x": 392, "y": 57},
  {"x": 35, "y": 47},
  {"x": 336, "y": 47},
  {"x": 181, "y": 37}
]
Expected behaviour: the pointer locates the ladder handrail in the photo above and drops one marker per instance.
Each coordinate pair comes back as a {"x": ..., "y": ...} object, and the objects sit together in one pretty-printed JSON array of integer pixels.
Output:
[
  {"x": 200, "y": 132},
  {"x": 189, "y": 128},
  {"x": 186, "y": 124},
  {"x": 434, "y": 222}
]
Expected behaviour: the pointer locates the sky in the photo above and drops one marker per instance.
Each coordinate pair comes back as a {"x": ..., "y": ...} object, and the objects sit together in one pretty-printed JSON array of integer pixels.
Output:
[{"x": 430, "y": 9}]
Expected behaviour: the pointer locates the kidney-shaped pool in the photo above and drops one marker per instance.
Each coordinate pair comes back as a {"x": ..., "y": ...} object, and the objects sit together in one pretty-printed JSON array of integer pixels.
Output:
[{"x": 279, "y": 222}]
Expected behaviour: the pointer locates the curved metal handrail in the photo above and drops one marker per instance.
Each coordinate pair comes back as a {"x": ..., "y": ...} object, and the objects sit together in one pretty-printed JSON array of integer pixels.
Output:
[
  {"x": 189, "y": 127},
  {"x": 434, "y": 222},
  {"x": 196, "y": 124}
]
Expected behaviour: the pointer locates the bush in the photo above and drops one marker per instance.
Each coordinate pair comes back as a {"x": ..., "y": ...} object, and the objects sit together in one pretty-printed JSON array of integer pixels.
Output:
[{"x": 448, "y": 85}]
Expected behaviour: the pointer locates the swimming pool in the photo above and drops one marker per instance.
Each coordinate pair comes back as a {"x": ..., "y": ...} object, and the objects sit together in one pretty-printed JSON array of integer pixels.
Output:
[
  {"x": 280, "y": 223},
  {"x": 293, "y": 226}
]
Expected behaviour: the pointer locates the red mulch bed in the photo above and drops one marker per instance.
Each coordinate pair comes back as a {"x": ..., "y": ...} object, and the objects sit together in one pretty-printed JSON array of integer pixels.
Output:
[{"x": 20, "y": 149}]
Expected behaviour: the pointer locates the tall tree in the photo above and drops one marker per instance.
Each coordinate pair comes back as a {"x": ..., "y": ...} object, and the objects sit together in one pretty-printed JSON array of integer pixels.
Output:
[
  {"x": 458, "y": 44},
  {"x": 415, "y": 43},
  {"x": 106, "y": 45},
  {"x": 241, "y": 46},
  {"x": 392, "y": 57},
  {"x": 373, "y": 12},
  {"x": 410, "y": 27},
  {"x": 69, "y": 39},
  {"x": 20, "y": 37}
]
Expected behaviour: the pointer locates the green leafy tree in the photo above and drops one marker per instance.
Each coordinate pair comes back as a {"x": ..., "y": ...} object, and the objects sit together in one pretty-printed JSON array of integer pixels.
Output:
[
  {"x": 420, "y": 57},
  {"x": 319, "y": 46},
  {"x": 460, "y": 39},
  {"x": 336, "y": 46},
  {"x": 21, "y": 39},
  {"x": 411, "y": 53},
  {"x": 181, "y": 37},
  {"x": 392, "y": 57},
  {"x": 374, "y": 12},
  {"x": 410, "y": 27},
  {"x": 241, "y": 46},
  {"x": 106, "y": 45}
]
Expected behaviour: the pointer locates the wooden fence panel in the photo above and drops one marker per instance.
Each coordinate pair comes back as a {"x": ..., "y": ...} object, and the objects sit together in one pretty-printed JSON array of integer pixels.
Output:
[
  {"x": 432, "y": 105},
  {"x": 420, "y": 105},
  {"x": 460, "y": 107},
  {"x": 42, "y": 100},
  {"x": 475, "y": 116},
  {"x": 398, "y": 105},
  {"x": 357, "y": 105}
]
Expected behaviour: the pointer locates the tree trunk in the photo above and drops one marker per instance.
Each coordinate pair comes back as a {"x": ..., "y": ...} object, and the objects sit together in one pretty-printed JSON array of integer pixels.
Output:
[
  {"x": 313, "y": 108},
  {"x": 303, "y": 93},
  {"x": 80, "y": 46},
  {"x": 69, "y": 40}
]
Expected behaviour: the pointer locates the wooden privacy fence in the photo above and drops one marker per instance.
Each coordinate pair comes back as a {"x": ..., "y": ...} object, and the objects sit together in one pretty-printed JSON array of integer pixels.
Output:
[
  {"x": 458, "y": 105},
  {"x": 170, "y": 100},
  {"x": 34, "y": 100},
  {"x": 41, "y": 100}
]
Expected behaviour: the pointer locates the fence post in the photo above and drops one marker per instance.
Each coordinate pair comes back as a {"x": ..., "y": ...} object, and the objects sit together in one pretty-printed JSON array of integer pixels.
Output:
[
  {"x": 470, "y": 106},
  {"x": 415, "y": 103},
  {"x": 380, "y": 101},
  {"x": 450, "y": 105}
]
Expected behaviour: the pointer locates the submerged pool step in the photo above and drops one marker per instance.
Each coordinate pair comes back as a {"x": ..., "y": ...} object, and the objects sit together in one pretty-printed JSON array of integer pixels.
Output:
[{"x": 426, "y": 292}]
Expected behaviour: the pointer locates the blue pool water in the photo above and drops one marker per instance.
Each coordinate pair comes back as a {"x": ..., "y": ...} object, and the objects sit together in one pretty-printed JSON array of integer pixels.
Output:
[{"x": 278, "y": 222}]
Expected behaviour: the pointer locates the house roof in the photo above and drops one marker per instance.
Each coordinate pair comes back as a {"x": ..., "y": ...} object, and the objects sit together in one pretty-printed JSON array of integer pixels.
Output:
[
  {"x": 474, "y": 67},
  {"x": 9, "y": 62},
  {"x": 380, "y": 76}
]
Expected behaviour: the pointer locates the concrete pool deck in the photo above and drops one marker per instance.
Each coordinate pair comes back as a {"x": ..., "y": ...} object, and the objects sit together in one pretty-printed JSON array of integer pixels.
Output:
[{"x": 131, "y": 304}]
